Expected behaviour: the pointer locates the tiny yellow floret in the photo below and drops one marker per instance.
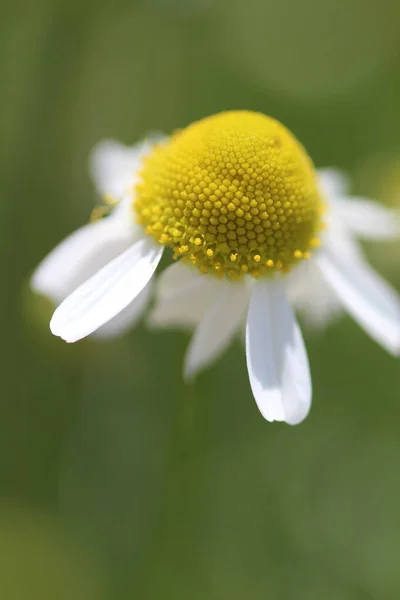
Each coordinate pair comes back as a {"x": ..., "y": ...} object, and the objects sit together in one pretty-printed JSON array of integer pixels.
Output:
[{"x": 230, "y": 193}]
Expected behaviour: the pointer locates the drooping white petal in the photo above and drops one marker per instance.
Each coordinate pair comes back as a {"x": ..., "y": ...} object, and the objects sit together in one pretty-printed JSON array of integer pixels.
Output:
[
  {"x": 217, "y": 328},
  {"x": 372, "y": 302},
  {"x": 277, "y": 361},
  {"x": 183, "y": 297},
  {"x": 368, "y": 219},
  {"x": 114, "y": 166},
  {"x": 81, "y": 255},
  {"x": 108, "y": 292},
  {"x": 128, "y": 317}
]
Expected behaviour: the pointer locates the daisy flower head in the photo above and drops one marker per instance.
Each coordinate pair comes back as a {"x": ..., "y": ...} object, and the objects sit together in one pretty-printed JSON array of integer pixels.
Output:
[{"x": 238, "y": 201}]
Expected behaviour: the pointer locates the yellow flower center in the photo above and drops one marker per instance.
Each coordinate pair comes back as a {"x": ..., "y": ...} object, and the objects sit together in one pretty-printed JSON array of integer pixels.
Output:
[{"x": 234, "y": 193}]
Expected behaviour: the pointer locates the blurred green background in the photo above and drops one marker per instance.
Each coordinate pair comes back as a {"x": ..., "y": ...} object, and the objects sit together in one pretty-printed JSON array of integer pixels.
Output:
[{"x": 116, "y": 480}]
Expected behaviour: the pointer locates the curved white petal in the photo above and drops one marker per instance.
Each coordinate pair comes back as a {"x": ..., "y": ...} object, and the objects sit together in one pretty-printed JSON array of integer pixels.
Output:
[
  {"x": 108, "y": 292},
  {"x": 339, "y": 237},
  {"x": 368, "y": 219},
  {"x": 216, "y": 329},
  {"x": 81, "y": 255},
  {"x": 277, "y": 361},
  {"x": 372, "y": 302},
  {"x": 127, "y": 318},
  {"x": 114, "y": 166},
  {"x": 333, "y": 182},
  {"x": 183, "y": 297},
  {"x": 311, "y": 295},
  {"x": 176, "y": 277}
]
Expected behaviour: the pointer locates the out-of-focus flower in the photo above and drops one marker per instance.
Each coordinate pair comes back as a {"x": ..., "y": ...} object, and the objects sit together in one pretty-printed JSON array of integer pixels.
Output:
[{"x": 113, "y": 230}]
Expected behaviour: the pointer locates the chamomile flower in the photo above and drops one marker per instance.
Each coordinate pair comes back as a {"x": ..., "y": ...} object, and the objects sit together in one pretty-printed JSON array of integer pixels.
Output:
[
  {"x": 113, "y": 230},
  {"x": 238, "y": 201}
]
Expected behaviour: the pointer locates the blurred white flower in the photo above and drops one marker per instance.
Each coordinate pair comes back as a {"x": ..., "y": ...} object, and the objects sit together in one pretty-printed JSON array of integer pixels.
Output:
[{"x": 113, "y": 168}]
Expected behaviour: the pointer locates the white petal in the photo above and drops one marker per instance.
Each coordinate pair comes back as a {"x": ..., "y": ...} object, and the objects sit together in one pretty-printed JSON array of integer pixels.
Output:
[
  {"x": 183, "y": 297},
  {"x": 276, "y": 356},
  {"x": 216, "y": 329},
  {"x": 372, "y": 302},
  {"x": 333, "y": 182},
  {"x": 311, "y": 295},
  {"x": 368, "y": 219},
  {"x": 127, "y": 318},
  {"x": 114, "y": 166},
  {"x": 176, "y": 277},
  {"x": 338, "y": 236},
  {"x": 79, "y": 256},
  {"x": 108, "y": 292}
]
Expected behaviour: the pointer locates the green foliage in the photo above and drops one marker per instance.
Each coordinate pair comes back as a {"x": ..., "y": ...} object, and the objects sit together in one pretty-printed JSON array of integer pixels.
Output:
[{"x": 124, "y": 482}]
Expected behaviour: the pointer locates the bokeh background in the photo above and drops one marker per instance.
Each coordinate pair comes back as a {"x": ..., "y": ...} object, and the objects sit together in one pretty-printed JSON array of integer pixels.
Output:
[{"x": 118, "y": 481}]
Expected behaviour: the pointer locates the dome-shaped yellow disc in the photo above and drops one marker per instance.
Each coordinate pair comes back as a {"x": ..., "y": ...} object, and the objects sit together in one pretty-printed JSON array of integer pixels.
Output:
[{"x": 234, "y": 193}]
